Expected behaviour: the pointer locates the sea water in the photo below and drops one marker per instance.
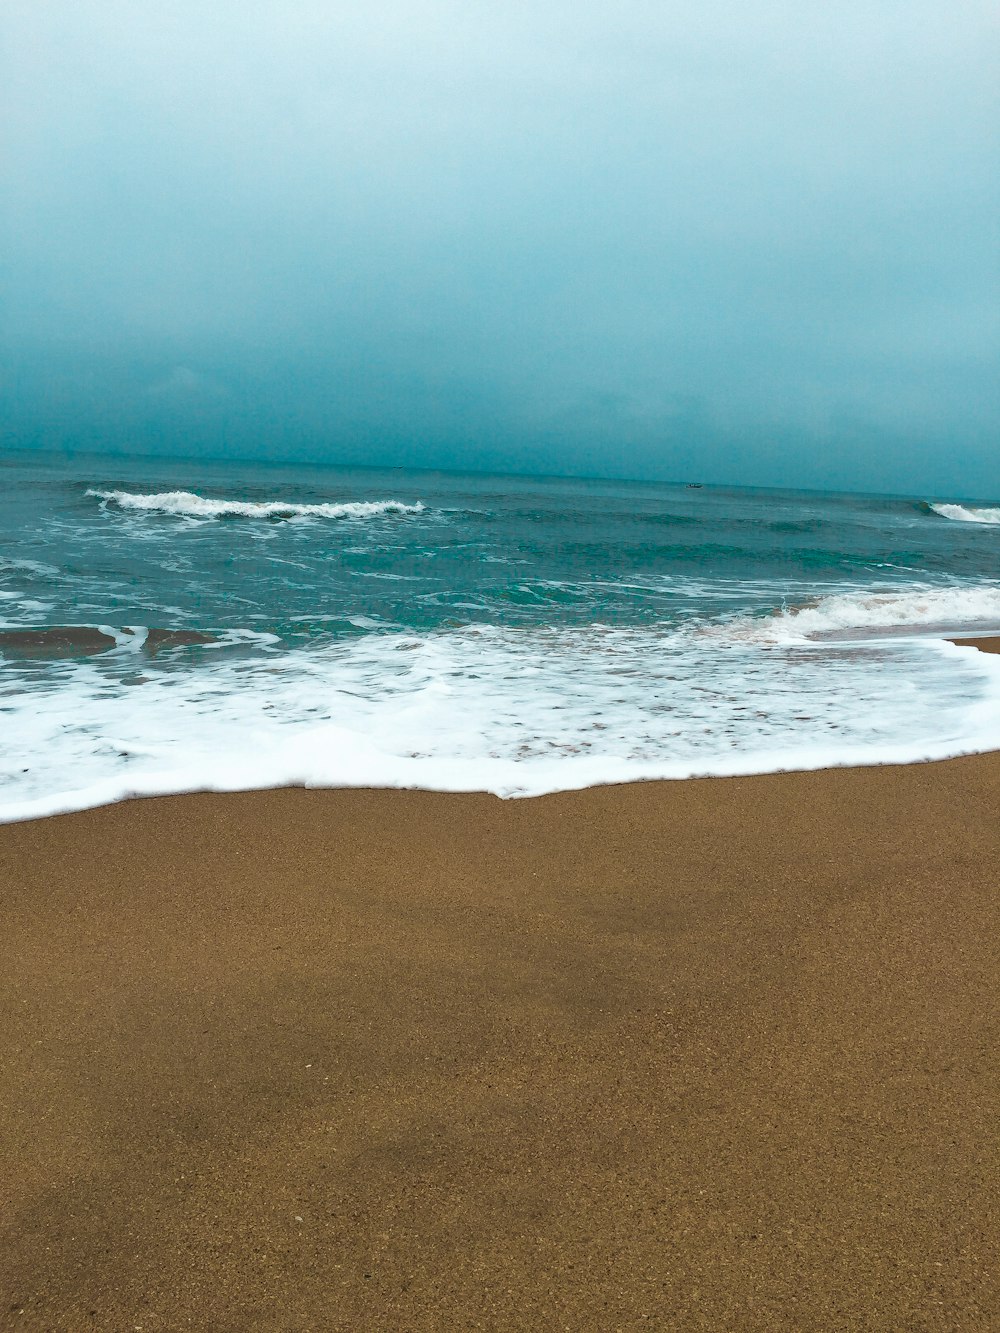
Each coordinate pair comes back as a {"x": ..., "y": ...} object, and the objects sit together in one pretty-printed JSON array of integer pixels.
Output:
[{"x": 458, "y": 632}]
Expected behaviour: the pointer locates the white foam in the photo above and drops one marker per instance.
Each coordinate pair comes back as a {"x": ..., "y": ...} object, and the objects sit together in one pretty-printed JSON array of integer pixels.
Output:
[
  {"x": 514, "y": 712},
  {"x": 9, "y": 564},
  {"x": 968, "y": 514},
  {"x": 186, "y": 504},
  {"x": 940, "y": 607}
]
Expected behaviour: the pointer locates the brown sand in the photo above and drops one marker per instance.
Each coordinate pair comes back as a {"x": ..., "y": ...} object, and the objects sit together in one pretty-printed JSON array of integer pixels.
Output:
[
  {"x": 156, "y": 639},
  {"x": 55, "y": 641},
  {"x": 715, "y": 1054},
  {"x": 985, "y": 645}
]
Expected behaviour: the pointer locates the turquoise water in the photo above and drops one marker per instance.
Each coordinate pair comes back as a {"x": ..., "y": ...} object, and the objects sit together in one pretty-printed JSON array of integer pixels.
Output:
[
  {"x": 518, "y": 634},
  {"x": 484, "y": 550}
]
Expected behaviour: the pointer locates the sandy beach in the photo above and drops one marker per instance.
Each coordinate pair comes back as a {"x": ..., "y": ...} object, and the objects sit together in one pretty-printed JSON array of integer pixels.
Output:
[{"x": 718, "y": 1053}]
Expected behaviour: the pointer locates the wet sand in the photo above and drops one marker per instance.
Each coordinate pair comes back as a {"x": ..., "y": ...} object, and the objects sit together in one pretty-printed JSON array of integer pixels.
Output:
[
  {"x": 710, "y": 1054},
  {"x": 985, "y": 645}
]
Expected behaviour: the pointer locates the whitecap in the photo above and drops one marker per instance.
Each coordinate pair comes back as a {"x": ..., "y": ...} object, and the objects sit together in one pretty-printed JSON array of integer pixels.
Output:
[
  {"x": 926, "y": 608},
  {"x": 968, "y": 514},
  {"x": 186, "y": 504}
]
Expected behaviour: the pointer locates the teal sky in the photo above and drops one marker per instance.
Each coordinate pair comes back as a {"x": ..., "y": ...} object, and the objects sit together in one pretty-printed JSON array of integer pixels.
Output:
[{"x": 749, "y": 243}]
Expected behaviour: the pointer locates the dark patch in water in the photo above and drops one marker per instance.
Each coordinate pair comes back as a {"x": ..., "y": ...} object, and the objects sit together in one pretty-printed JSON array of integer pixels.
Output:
[
  {"x": 55, "y": 641},
  {"x": 670, "y": 518},
  {"x": 158, "y": 639},
  {"x": 804, "y": 525}
]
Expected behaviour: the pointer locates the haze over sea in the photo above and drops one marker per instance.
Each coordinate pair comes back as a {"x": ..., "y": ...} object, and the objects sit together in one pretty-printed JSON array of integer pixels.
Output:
[{"x": 459, "y": 632}]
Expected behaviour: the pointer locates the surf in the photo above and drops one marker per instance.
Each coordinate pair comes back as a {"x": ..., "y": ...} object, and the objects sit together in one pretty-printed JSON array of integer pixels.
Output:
[
  {"x": 186, "y": 504},
  {"x": 967, "y": 513}
]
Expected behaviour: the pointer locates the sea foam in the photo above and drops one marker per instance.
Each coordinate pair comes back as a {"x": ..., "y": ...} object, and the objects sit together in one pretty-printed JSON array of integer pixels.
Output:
[
  {"x": 968, "y": 514},
  {"x": 944, "y": 607},
  {"x": 188, "y": 505},
  {"x": 514, "y": 712}
]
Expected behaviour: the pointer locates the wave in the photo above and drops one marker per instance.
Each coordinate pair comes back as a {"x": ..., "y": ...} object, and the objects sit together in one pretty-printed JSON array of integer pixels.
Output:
[
  {"x": 932, "y": 608},
  {"x": 967, "y": 514},
  {"x": 487, "y": 709},
  {"x": 186, "y": 504}
]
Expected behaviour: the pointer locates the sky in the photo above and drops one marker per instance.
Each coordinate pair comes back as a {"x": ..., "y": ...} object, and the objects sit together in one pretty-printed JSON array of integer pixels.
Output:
[{"x": 752, "y": 243}]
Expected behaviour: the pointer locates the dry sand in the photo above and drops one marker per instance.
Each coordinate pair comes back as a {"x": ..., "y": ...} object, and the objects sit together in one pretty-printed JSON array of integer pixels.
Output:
[{"x": 718, "y": 1054}]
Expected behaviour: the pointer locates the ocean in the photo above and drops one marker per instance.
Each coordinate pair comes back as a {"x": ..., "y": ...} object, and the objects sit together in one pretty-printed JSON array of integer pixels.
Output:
[{"x": 171, "y": 626}]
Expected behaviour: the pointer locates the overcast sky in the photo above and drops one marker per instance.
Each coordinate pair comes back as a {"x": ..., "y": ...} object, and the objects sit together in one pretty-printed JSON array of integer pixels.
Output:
[{"x": 750, "y": 242}]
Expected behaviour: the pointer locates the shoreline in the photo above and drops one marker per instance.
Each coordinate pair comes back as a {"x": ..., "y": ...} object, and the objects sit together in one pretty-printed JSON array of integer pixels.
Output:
[
  {"x": 153, "y": 787},
  {"x": 717, "y": 1053}
]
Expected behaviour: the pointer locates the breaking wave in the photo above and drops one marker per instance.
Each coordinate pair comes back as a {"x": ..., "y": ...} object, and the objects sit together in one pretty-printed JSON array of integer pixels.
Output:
[
  {"x": 514, "y": 712},
  {"x": 967, "y": 514},
  {"x": 933, "y": 608},
  {"x": 186, "y": 504}
]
